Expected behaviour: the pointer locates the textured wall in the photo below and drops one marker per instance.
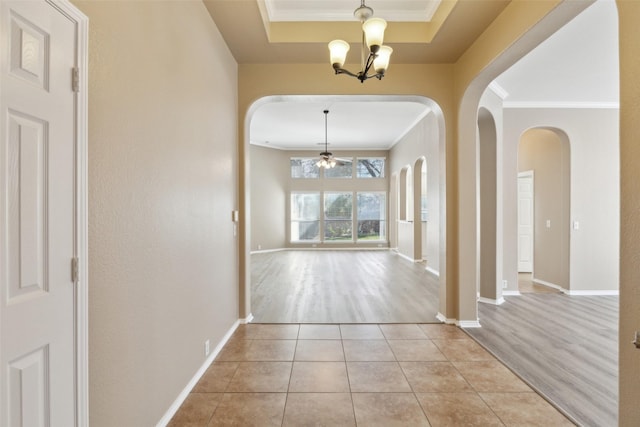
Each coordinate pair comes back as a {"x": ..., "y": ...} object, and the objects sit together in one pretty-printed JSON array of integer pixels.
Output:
[
  {"x": 595, "y": 190},
  {"x": 269, "y": 182},
  {"x": 547, "y": 154},
  {"x": 629, "y": 14},
  {"x": 422, "y": 141},
  {"x": 162, "y": 185}
]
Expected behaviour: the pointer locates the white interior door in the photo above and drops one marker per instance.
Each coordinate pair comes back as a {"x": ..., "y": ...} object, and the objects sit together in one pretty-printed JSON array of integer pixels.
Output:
[
  {"x": 525, "y": 222},
  {"x": 37, "y": 222}
]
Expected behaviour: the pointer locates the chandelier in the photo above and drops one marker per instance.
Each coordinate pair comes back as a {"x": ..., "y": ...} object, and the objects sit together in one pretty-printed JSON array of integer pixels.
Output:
[{"x": 372, "y": 37}]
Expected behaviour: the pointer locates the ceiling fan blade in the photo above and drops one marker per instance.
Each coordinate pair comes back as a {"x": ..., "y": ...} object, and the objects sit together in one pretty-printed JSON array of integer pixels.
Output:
[{"x": 343, "y": 161}]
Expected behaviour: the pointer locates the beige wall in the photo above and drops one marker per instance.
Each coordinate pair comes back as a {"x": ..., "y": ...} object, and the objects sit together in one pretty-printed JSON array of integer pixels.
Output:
[
  {"x": 270, "y": 190},
  {"x": 629, "y": 15},
  {"x": 269, "y": 182},
  {"x": 546, "y": 153},
  {"x": 423, "y": 140},
  {"x": 595, "y": 191},
  {"x": 487, "y": 152},
  {"x": 162, "y": 185}
]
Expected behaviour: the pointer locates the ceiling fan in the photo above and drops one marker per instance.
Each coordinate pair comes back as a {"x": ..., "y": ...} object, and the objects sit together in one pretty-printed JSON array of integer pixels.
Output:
[{"x": 327, "y": 160}]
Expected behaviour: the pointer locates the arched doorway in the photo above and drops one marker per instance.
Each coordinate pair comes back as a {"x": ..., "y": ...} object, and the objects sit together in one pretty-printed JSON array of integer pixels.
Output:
[
  {"x": 245, "y": 261},
  {"x": 545, "y": 152}
]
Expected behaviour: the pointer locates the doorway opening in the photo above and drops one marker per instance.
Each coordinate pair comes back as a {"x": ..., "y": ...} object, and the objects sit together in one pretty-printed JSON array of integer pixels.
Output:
[{"x": 329, "y": 272}]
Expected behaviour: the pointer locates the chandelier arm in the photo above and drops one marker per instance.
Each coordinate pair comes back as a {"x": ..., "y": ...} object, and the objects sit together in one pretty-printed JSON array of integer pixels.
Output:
[
  {"x": 339, "y": 70},
  {"x": 369, "y": 63}
]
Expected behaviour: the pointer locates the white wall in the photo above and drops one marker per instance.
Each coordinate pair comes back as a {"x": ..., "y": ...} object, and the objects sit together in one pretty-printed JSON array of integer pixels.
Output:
[
  {"x": 422, "y": 141},
  {"x": 595, "y": 191},
  {"x": 270, "y": 175},
  {"x": 162, "y": 184}
]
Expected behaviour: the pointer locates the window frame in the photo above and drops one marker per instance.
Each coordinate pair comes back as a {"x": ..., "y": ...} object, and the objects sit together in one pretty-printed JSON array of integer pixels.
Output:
[
  {"x": 384, "y": 166},
  {"x": 318, "y": 218},
  {"x": 383, "y": 220}
]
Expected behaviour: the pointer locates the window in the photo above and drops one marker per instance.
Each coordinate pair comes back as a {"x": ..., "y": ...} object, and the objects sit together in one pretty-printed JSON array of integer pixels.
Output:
[
  {"x": 305, "y": 217},
  {"x": 371, "y": 216},
  {"x": 338, "y": 218},
  {"x": 343, "y": 169},
  {"x": 370, "y": 168},
  {"x": 304, "y": 167}
]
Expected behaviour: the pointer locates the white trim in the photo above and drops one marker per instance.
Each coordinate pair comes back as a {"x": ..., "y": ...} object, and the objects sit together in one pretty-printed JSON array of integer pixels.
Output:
[
  {"x": 549, "y": 285},
  {"x": 511, "y": 293},
  {"x": 550, "y": 105},
  {"x": 247, "y": 319},
  {"x": 577, "y": 292},
  {"x": 441, "y": 317},
  {"x": 337, "y": 248},
  {"x": 410, "y": 127},
  {"x": 432, "y": 271},
  {"x": 468, "y": 323},
  {"x": 498, "y": 90},
  {"x": 498, "y": 301},
  {"x": 192, "y": 383},
  {"x": 408, "y": 258},
  {"x": 81, "y": 290},
  {"x": 266, "y": 251},
  {"x": 591, "y": 293}
]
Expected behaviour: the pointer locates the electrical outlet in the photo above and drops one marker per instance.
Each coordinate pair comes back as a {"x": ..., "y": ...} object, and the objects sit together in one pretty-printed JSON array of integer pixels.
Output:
[
  {"x": 259, "y": 247},
  {"x": 206, "y": 348},
  {"x": 505, "y": 284}
]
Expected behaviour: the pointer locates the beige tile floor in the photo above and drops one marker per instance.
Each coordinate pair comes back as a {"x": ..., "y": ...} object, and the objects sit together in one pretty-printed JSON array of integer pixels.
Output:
[{"x": 364, "y": 375}]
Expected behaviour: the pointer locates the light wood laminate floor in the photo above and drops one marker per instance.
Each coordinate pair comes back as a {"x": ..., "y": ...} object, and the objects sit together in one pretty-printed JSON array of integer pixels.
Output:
[
  {"x": 566, "y": 347},
  {"x": 341, "y": 287}
]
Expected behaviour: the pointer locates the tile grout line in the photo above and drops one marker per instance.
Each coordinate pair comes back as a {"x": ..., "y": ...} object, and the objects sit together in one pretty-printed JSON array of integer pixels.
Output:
[
  {"x": 344, "y": 353},
  {"x": 293, "y": 359}
]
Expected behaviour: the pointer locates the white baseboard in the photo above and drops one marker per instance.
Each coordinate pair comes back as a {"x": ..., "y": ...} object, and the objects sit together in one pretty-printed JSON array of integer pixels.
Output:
[
  {"x": 498, "y": 301},
  {"x": 549, "y": 285},
  {"x": 511, "y": 293},
  {"x": 337, "y": 248},
  {"x": 432, "y": 271},
  {"x": 192, "y": 383},
  {"x": 468, "y": 323},
  {"x": 441, "y": 317},
  {"x": 266, "y": 251},
  {"x": 400, "y": 254},
  {"x": 592, "y": 293},
  {"x": 246, "y": 320}
]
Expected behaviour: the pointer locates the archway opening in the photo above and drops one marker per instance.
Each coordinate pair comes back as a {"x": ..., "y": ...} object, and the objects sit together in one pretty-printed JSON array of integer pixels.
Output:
[
  {"x": 436, "y": 122},
  {"x": 544, "y": 206}
]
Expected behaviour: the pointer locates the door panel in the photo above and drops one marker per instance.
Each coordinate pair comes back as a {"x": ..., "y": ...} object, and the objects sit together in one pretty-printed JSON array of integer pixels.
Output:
[{"x": 37, "y": 225}]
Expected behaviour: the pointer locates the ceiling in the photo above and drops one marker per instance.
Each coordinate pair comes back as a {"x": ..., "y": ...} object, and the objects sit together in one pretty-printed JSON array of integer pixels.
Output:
[
  {"x": 341, "y": 10},
  {"x": 351, "y": 125},
  {"x": 577, "y": 66}
]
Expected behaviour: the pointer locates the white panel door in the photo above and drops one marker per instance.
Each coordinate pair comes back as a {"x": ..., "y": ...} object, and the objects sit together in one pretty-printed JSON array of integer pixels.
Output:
[
  {"x": 37, "y": 179},
  {"x": 525, "y": 223}
]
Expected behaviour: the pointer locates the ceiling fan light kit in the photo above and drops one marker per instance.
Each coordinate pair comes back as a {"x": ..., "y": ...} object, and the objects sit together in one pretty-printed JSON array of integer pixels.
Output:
[
  {"x": 327, "y": 160},
  {"x": 372, "y": 39}
]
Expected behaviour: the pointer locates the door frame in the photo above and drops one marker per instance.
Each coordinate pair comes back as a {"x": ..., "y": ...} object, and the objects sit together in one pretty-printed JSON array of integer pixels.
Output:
[
  {"x": 81, "y": 301},
  {"x": 528, "y": 174}
]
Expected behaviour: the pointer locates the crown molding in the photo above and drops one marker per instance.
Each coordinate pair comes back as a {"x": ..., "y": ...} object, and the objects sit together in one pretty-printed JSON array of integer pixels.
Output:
[
  {"x": 548, "y": 105},
  {"x": 498, "y": 90}
]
